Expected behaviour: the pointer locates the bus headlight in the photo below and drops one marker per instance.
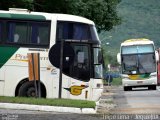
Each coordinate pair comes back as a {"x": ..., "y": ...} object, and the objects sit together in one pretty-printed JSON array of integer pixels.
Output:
[{"x": 124, "y": 76}]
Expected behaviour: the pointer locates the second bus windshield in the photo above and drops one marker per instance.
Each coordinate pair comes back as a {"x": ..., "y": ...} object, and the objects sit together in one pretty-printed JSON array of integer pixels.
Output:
[{"x": 138, "y": 59}]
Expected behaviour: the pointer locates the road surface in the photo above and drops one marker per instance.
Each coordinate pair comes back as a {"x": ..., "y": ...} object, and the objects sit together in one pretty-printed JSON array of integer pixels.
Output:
[
  {"x": 137, "y": 101},
  {"x": 9, "y": 114}
]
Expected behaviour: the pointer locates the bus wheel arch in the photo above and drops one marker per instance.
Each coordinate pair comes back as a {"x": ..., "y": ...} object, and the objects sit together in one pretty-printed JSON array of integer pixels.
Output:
[
  {"x": 28, "y": 86},
  {"x": 19, "y": 85}
]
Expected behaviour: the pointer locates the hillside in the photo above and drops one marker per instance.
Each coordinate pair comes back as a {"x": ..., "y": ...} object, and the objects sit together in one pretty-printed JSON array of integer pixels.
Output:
[{"x": 140, "y": 19}]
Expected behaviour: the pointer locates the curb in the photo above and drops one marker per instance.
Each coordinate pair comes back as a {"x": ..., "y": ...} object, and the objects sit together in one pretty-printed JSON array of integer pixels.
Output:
[{"x": 47, "y": 108}]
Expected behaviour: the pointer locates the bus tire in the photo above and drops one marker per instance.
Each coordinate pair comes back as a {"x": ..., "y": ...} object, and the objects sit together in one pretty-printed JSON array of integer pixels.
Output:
[
  {"x": 128, "y": 88},
  {"x": 27, "y": 89},
  {"x": 152, "y": 87},
  {"x": 125, "y": 88}
]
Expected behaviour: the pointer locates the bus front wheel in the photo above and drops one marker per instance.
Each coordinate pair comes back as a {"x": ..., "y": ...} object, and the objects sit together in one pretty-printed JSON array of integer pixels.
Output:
[
  {"x": 127, "y": 88},
  {"x": 152, "y": 87}
]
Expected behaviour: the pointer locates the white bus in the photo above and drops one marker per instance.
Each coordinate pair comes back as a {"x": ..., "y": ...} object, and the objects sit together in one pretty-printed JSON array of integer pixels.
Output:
[
  {"x": 23, "y": 32},
  {"x": 138, "y": 63}
]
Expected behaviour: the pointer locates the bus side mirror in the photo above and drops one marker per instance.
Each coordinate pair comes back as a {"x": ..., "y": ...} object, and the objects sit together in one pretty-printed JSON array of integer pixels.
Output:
[
  {"x": 119, "y": 58},
  {"x": 157, "y": 56}
]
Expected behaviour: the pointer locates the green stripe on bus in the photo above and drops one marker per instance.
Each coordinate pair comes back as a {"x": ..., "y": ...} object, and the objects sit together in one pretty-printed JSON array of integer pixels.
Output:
[
  {"x": 146, "y": 75},
  {"x": 22, "y": 16},
  {"x": 6, "y": 53}
]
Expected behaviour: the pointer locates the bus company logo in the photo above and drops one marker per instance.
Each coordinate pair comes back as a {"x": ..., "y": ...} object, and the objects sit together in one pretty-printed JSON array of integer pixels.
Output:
[
  {"x": 20, "y": 57},
  {"x": 24, "y": 58},
  {"x": 76, "y": 90}
]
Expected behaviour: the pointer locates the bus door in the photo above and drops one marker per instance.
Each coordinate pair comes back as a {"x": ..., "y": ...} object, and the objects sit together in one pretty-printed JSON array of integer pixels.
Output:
[
  {"x": 80, "y": 68},
  {"x": 79, "y": 72}
]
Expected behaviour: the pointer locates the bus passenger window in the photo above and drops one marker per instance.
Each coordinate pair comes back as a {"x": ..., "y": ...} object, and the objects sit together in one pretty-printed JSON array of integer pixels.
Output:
[
  {"x": 80, "y": 32},
  {"x": 21, "y": 33},
  {"x": 16, "y": 38},
  {"x": 38, "y": 40},
  {"x": 40, "y": 34},
  {"x": 11, "y": 28},
  {"x": 17, "y": 32},
  {"x": 44, "y": 34},
  {"x": 73, "y": 31}
]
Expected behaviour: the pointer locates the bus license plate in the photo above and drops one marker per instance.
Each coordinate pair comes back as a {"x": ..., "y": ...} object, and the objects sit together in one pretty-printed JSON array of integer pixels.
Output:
[{"x": 139, "y": 82}]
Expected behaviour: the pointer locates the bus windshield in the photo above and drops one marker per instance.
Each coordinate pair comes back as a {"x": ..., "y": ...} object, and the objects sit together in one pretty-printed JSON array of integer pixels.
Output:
[
  {"x": 138, "y": 59},
  {"x": 137, "y": 49},
  {"x": 138, "y": 63}
]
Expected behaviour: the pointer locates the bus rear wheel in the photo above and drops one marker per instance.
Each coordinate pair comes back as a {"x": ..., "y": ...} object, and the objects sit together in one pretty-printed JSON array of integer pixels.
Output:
[{"x": 28, "y": 90}]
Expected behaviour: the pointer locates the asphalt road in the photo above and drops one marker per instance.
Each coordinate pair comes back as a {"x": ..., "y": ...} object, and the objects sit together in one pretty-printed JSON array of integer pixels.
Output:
[
  {"x": 137, "y": 101},
  {"x": 8, "y": 114}
]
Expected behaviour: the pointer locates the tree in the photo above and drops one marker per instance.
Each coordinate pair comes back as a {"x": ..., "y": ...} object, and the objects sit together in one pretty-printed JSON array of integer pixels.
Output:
[
  {"x": 6, "y": 4},
  {"x": 102, "y": 12}
]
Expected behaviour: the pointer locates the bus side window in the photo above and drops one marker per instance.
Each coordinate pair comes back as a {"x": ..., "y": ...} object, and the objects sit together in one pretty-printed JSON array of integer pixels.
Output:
[
  {"x": 81, "y": 32},
  {"x": 21, "y": 32},
  {"x": 34, "y": 31},
  {"x": 40, "y": 34},
  {"x": 43, "y": 37},
  {"x": 11, "y": 29},
  {"x": 28, "y": 33},
  {"x": 16, "y": 38},
  {"x": 17, "y": 32}
]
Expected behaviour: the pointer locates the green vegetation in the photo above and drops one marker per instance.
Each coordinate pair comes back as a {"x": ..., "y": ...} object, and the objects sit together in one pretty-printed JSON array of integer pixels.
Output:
[
  {"x": 50, "y": 102},
  {"x": 117, "y": 81},
  {"x": 139, "y": 19},
  {"x": 102, "y": 12}
]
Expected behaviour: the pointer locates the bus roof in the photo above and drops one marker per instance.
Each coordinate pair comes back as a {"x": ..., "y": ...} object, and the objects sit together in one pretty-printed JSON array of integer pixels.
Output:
[
  {"x": 138, "y": 41},
  {"x": 24, "y": 14}
]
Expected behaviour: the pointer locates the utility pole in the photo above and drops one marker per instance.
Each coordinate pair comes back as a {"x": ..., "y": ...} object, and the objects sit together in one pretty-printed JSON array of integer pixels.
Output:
[{"x": 61, "y": 68}]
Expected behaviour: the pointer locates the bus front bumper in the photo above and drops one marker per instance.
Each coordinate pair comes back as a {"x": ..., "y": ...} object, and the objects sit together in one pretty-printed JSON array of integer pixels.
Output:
[{"x": 146, "y": 82}]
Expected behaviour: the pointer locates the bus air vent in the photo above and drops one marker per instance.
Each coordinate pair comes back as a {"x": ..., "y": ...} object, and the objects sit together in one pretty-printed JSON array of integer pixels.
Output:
[{"x": 18, "y": 10}]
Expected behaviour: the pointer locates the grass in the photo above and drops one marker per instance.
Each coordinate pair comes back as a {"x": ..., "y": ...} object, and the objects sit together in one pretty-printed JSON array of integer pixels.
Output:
[
  {"x": 50, "y": 102},
  {"x": 117, "y": 81}
]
